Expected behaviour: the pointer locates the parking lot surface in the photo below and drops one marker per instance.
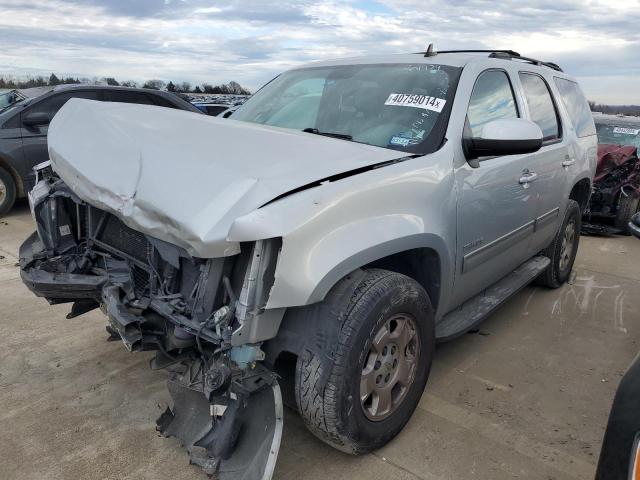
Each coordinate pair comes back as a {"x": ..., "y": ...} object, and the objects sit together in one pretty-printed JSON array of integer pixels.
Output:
[{"x": 526, "y": 396}]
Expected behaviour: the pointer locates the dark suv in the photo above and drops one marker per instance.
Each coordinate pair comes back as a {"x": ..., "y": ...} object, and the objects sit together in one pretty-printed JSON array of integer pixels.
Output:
[{"x": 24, "y": 124}]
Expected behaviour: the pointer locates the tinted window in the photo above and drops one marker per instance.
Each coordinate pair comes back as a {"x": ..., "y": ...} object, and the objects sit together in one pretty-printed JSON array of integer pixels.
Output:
[
  {"x": 162, "y": 102},
  {"x": 52, "y": 104},
  {"x": 128, "y": 97},
  {"x": 492, "y": 99},
  {"x": 215, "y": 109},
  {"x": 577, "y": 106},
  {"x": 541, "y": 107}
]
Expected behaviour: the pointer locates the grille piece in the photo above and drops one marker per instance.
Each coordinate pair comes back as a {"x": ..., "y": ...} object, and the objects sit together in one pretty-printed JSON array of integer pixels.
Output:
[{"x": 117, "y": 235}]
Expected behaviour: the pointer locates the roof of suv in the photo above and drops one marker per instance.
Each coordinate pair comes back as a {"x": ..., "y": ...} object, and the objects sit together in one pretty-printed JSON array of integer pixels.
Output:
[{"x": 450, "y": 58}]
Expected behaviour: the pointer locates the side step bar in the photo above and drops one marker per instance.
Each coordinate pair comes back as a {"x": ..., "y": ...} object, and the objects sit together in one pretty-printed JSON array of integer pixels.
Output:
[{"x": 476, "y": 309}]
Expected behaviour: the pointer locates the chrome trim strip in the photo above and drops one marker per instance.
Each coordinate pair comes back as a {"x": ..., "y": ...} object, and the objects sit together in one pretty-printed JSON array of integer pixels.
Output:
[
  {"x": 484, "y": 253},
  {"x": 546, "y": 217}
]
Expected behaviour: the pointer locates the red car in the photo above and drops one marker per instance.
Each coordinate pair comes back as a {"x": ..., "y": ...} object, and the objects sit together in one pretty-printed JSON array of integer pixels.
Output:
[{"x": 616, "y": 186}]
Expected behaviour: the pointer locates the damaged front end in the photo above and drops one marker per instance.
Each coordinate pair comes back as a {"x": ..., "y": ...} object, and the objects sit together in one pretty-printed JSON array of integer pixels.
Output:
[
  {"x": 204, "y": 318},
  {"x": 617, "y": 178}
]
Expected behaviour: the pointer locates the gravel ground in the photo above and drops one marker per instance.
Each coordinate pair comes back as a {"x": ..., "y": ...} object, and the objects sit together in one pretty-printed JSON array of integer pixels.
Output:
[{"x": 527, "y": 396}]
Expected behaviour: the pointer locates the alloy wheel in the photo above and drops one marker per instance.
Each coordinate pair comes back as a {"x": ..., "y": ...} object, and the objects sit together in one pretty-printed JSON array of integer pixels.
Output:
[
  {"x": 566, "y": 249},
  {"x": 390, "y": 367}
]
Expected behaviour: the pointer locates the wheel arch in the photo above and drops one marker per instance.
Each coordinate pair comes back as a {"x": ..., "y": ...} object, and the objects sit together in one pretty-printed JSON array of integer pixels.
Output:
[
  {"x": 4, "y": 163},
  {"x": 421, "y": 257},
  {"x": 581, "y": 193}
]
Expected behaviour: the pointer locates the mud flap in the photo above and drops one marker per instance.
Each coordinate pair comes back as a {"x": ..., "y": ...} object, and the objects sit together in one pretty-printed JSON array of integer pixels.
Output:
[{"x": 241, "y": 443}]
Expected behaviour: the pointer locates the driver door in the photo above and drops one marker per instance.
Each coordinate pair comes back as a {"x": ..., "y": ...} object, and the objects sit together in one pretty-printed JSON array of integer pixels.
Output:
[{"x": 496, "y": 210}]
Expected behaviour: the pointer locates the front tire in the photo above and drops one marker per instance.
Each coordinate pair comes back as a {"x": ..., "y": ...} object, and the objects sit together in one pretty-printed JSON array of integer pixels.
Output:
[
  {"x": 7, "y": 191},
  {"x": 563, "y": 249},
  {"x": 379, "y": 369},
  {"x": 627, "y": 207}
]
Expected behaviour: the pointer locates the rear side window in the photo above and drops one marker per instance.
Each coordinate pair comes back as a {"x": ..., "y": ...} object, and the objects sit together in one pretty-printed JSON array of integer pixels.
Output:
[
  {"x": 128, "y": 97},
  {"x": 215, "y": 109},
  {"x": 162, "y": 102},
  {"x": 577, "y": 106},
  {"x": 52, "y": 104},
  {"x": 492, "y": 99},
  {"x": 541, "y": 106}
]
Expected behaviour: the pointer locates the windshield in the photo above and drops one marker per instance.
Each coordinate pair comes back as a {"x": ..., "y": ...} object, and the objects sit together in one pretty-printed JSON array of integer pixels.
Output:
[
  {"x": 8, "y": 98},
  {"x": 398, "y": 106},
  {"x": 619, "y": 134}
]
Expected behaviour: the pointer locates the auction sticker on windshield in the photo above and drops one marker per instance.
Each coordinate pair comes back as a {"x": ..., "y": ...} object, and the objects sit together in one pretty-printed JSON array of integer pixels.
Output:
[
  {"x": 626, "y": 131},
  {"x": 425, "y": 102}
]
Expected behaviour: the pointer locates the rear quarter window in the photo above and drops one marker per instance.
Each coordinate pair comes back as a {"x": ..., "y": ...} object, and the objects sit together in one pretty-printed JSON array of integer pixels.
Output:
[
  {"x": 162, "y": 102},
  {"x": 577, "y": 107}
]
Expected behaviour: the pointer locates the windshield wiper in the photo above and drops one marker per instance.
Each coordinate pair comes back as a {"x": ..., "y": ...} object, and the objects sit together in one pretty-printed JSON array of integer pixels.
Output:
[{"x": 315, "y": 131}]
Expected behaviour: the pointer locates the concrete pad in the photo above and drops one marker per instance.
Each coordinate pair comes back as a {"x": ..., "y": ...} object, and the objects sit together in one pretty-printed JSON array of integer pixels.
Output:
[{"x": 526, "y": 397}]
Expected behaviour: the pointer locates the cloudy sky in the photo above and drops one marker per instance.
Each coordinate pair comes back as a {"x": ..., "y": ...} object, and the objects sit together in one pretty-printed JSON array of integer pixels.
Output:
[{"x": 249, "y": 41}]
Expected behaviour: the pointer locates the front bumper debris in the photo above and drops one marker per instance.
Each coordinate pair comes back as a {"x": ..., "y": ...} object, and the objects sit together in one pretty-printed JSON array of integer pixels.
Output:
[
  {"x": 239, "y": 439},
  {"x": 226, "y": 407}
]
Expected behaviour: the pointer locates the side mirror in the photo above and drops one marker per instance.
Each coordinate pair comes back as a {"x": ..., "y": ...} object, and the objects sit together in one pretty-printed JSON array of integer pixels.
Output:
[
  {"x": 36, "y": 119},
  {"x": 507, "y": 136},
  {"x": 634, "y": 225}
]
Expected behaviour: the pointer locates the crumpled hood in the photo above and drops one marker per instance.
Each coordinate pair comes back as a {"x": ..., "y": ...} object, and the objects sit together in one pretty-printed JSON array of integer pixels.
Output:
[{"x": 183, "y": 177}]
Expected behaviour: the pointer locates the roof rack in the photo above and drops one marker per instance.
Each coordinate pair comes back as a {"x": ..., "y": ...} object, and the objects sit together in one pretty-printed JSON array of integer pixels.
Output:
[{"x": 504, "y": 54}]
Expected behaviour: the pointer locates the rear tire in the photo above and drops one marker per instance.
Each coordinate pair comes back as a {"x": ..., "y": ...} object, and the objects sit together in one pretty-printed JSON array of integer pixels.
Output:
[
  {"x": 385, "y": 311},
  {"x": 563, "y": 249},
  {"x": 627, "y": 207},
  {"x": 7, "y": 191}
]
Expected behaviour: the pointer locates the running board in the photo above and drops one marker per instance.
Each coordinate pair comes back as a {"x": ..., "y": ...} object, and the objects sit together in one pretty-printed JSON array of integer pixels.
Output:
[{"x": 476, "y": 309}]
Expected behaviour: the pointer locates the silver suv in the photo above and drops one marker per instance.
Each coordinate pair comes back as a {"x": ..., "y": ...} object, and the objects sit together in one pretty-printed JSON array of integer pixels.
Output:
[{"x": 343, "y": 220}]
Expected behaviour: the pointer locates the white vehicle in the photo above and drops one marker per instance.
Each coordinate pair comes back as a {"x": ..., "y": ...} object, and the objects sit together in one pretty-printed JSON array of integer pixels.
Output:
[{"x": 337, "y": 225}]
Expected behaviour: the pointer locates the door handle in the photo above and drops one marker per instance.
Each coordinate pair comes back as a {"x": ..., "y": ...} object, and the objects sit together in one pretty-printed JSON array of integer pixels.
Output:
[
  {"x": 567, "y": 163},
  {"x": 527, "y": 178}
]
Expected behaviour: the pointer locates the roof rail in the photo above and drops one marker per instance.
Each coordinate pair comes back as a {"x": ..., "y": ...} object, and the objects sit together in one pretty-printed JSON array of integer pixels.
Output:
[
  {"x": 504, "y": 54},
  {"x": 517, "y": 56}
]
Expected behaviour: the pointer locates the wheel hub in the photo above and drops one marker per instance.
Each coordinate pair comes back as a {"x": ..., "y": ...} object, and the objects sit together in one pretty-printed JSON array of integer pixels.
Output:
[
  {"x": 3, "y": 192},
  {"x": 566, "y": 249},
  {"x": 389, "y": 367}
]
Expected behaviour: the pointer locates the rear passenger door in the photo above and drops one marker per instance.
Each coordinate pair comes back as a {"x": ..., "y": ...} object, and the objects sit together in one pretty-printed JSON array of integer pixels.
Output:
[{"x": 547, "y": 163}]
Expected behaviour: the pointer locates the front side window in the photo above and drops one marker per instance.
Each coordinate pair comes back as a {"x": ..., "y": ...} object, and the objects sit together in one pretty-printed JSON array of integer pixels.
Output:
[
  {"x": 52, "y": 104},
  {"x": 492, "y": 99},
  {"x": 577, "y": 106},
  {"x": 541, "y": 107},
  {"x": 397, "y": 106}
]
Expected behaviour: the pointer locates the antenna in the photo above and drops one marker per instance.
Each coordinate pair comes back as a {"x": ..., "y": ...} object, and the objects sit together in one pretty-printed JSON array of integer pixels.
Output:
[{"x": 430, "y": 51}]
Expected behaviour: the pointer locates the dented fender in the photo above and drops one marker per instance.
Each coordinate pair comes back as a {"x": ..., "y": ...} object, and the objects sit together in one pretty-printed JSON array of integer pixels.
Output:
[{"x": 330, "y": 230}]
